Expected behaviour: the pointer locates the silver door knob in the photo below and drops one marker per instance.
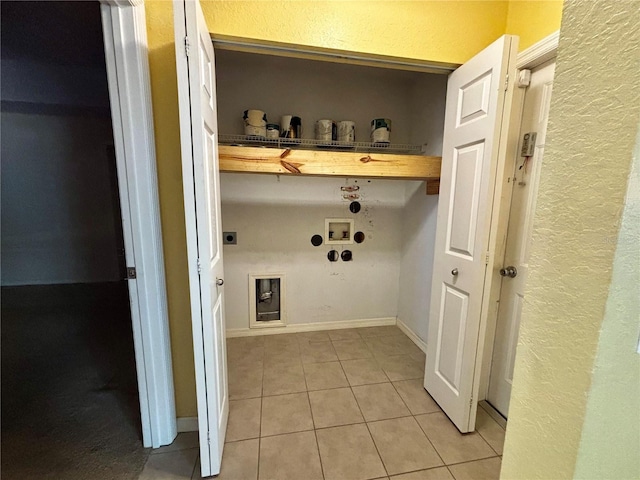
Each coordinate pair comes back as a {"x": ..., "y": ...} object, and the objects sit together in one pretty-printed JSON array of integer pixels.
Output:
[
  {"x": 219, "y": 282},
  {"x": 454, "y": 272},
  {"x": 509, "y": 271}
]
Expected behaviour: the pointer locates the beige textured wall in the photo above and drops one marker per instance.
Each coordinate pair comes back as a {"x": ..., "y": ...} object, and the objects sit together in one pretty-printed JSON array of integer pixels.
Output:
[
  {"x": 592, "y": 127},
  {"x": 610, "y": 445}
]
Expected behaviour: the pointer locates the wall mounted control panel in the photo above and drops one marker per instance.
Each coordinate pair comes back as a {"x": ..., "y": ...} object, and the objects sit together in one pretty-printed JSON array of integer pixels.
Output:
[{"x": 528, "y": 144}]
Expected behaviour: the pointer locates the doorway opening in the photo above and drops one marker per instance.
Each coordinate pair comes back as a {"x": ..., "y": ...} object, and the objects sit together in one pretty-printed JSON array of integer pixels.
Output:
[
  {"x": 68, "y": 363},
  {"x": 524, "y": 180}
]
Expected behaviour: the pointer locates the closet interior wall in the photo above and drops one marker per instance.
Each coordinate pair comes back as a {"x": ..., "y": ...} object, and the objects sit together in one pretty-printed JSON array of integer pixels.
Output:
[{"x": 275, "y": 216}]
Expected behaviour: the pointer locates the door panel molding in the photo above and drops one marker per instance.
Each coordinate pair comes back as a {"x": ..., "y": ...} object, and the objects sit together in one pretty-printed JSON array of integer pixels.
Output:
[{"x": 195, "y": 69}]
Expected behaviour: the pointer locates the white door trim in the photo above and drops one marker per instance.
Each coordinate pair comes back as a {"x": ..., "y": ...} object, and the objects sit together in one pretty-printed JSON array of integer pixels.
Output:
[
  {"x": 126, "y": 55},
  {"x": 537, "y": 54}
]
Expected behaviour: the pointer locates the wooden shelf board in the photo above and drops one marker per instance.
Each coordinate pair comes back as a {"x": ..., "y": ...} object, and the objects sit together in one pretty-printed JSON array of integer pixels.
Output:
[{"x": 281, "y": 161}]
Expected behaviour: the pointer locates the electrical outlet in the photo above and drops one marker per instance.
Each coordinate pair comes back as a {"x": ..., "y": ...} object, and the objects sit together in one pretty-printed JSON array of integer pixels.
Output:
[{"x": 229, "y": 238}]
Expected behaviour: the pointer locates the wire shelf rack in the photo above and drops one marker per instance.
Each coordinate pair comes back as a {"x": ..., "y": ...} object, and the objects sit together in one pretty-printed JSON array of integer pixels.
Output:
[{"x": 310, "y": 144}]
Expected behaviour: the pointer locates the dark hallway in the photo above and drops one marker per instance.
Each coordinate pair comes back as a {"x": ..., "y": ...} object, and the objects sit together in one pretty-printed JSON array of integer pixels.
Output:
[
  {"x": 69, "y": 391},
  {"x": 70, "y": 406}
]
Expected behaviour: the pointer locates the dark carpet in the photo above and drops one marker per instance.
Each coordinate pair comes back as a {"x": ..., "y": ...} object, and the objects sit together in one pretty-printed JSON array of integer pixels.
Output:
[{"x": 69, "y": 391}]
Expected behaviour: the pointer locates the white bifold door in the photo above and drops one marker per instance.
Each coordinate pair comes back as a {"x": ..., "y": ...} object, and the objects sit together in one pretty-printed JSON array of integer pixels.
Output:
[
  {"x": 476, "y": 121},
  {"x": 199, "y": 148}
]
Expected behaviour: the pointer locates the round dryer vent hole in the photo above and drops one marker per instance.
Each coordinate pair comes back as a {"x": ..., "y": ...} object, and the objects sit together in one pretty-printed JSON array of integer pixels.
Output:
[{"x": 316, "y": 240}]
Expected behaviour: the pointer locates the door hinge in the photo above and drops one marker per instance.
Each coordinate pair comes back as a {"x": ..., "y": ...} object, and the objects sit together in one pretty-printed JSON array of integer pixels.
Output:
[
  {"x": 208, "y": 439},
  {"x": 131, "y": 273},
  {"x": 186, "y": 46},
  {"x": 471, "y": 402},
  {"x": 199, "y": 267},
  {"x": 486, "y": 258},
  {"x": 506, "y": 82}
]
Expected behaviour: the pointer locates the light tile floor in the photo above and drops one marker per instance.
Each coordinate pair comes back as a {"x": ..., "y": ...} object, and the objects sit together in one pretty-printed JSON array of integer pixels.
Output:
[{"x": 340, "y": 404}]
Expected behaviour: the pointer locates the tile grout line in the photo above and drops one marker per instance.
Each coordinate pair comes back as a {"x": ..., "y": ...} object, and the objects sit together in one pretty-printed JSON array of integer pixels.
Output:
[
  {"x": 377, "y": 449},
  {"x": 486, "y": 441},
  {"x": 402, "y": 399},
  {"x": 474, "y": 460},
  {"x": 368, "y": 429},
  {"x": 428, "y": 439},
  {"x": 259, "y": 439},
  {"x": 315, "y": 435}
]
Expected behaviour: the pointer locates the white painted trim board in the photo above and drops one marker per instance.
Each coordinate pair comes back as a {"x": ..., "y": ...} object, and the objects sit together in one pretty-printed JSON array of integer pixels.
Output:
[
  {"x": 187, "y": 424},
  {"x": 539, "y": 53},
  {"x": 422, "y": 345}
]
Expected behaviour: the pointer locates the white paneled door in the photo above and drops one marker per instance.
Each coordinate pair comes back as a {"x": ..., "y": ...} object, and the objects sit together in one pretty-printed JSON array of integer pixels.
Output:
[
  {"x": 473, "y": 150},
  {"x": 525, "y": 189},
  {"x": 199, "y": 147}
]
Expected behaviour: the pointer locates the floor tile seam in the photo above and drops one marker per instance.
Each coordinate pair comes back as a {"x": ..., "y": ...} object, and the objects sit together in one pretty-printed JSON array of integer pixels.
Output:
[
  {"x": 433, "y": 445},
  {"x": 375, "y": 445},
  {"x": 226, "y": 442},
  {"x": 315, "y": 435},
  {"x": 472, "y": 461},
  {"x": 259, "y": 438},
  {"x": 450, "y": 472},
  {"x": 195, "y": 465},
  {"x": 342, "y": 425},
  {"x": 262, "y": 389},
  {"x": 283, "y": 393},
  {"x": 313, "y": 421},
  {"x": 487, "y": 441},
  {"x": 245, "y": 398},
  {"x": 402, "y": 399},
  {"x": 388, "y": 418},
  {"x": 326, "y": 389},
  {"x": 271, "y": 435},
  {"x": 321, "y": 361}
]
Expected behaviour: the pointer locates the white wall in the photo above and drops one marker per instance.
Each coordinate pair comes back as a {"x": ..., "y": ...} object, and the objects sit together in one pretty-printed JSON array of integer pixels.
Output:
[
  {"x": 275, "y": 218},
  {"x": 58, "y": 222},
  {"x": 314, "y": 90},
  {"x": 416, "y": 265},
  {"x": 391, "y": 271}
]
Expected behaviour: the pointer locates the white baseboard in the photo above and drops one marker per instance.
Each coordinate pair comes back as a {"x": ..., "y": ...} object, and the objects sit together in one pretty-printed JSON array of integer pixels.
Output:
[
  {"x": 311, "y": 327},
  {"x": 410, "y": 333},
  {"x": 187, "y": 424}
]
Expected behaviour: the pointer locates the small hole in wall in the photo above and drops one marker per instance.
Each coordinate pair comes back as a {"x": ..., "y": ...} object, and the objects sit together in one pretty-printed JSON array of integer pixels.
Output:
[
  {"x": 316, "y": 240},
  {"x": 346, "y": 256},
  {"x": 354, "y": 207},
  {"x": 333, "y": 256},
  {"x": 359, "y": 237}
]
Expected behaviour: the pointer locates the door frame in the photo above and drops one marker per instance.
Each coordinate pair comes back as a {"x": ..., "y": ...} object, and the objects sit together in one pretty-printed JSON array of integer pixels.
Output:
[
  {"x": 537, "y": 54},
  {"x": 127, "y": 62}
]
